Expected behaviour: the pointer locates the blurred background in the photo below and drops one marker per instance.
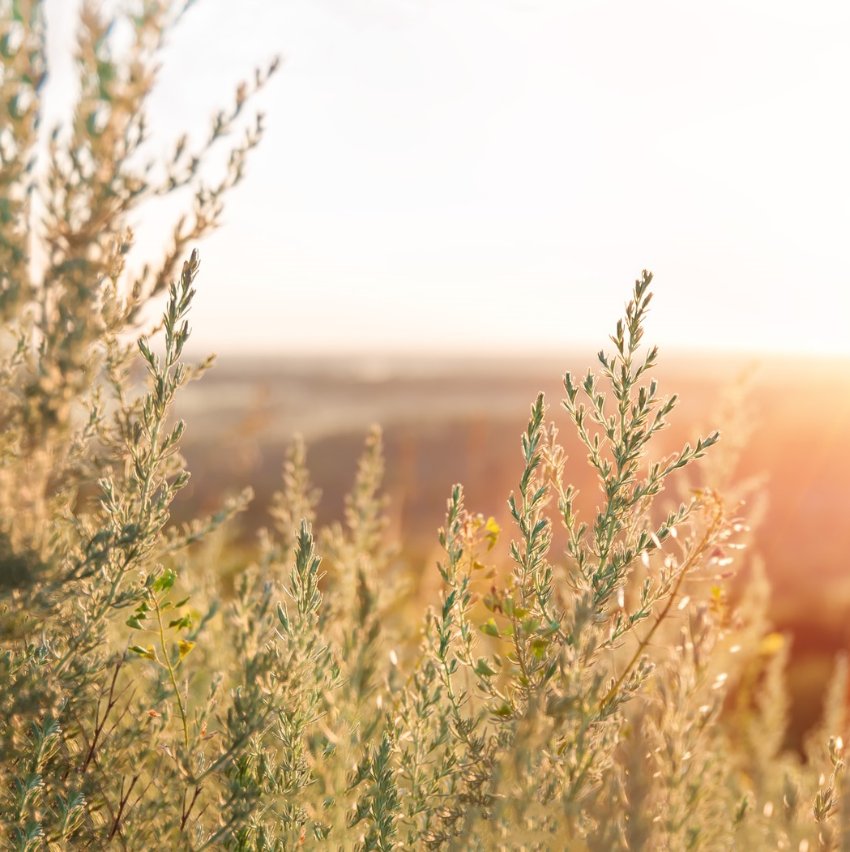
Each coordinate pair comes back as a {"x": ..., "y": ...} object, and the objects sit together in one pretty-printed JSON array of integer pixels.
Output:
[{"x": 448, "y": 210}]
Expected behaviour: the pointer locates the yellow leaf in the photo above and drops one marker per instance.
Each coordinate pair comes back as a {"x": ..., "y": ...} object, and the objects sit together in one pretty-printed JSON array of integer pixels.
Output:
[
  {"x": 771, "y": 644},
  {"x": 491, "y": 532},
  {"x": 147, "y": 652},
  {"x": 184, "y": 646}
]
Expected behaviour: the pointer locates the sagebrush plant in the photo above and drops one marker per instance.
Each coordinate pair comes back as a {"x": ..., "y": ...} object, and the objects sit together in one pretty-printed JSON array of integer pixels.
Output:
[{"x": 611, "y": 696}]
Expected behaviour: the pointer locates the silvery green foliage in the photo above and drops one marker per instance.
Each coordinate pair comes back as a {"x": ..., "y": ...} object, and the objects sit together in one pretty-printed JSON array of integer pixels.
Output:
[{"x": 607, "y": 696}]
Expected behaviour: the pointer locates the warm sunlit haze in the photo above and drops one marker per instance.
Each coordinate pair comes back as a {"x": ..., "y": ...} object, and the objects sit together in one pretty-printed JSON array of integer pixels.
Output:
[
  {"x": 512, "y": 512},
  {"x": 435, "y": 170},
  {"x": 445, "y": 181},
  {"x": 456, "y": 195}
]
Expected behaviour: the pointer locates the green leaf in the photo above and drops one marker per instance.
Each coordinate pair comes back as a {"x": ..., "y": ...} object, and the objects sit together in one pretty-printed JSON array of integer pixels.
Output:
[
  {"x": 148, "y": 652},
  {"x": 133, "y": 621},
  {"x": 538, "y": 647},
  {"x": 92, "y": 124},
  {"x": 106, "y": 75},
  {"x": 482, "y": 668},
  {"x": 530, "y": 625},
  {"x": 164, "y": 581},
  {"x": 490, "y": 628}
]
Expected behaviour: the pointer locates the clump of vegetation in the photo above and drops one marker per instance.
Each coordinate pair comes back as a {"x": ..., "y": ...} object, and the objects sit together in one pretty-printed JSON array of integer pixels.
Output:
[{"x": 599, "y": 692}]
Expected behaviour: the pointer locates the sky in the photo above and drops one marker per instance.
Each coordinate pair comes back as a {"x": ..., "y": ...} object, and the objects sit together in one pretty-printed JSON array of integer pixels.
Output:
[{"x": 480, "y": 176}]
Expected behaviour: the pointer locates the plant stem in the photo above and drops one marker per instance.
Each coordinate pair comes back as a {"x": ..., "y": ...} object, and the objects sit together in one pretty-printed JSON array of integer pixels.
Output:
[
  {"x": 171, "y": 673},
  {"x": 686, "y": 567}
]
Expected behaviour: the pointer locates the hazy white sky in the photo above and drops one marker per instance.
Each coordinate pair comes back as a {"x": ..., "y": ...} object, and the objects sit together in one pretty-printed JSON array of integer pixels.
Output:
[{"x": 492, "y": 174}]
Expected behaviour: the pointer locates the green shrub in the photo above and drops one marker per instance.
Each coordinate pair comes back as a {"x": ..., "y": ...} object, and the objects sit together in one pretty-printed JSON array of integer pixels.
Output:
[{"x": 607, "y": 697}]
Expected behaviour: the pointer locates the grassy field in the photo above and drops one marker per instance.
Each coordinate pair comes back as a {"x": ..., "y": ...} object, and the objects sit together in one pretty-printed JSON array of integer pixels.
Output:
[
  {"x": 506, "y": 626},
  {"x": 448, "y": 420}
]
